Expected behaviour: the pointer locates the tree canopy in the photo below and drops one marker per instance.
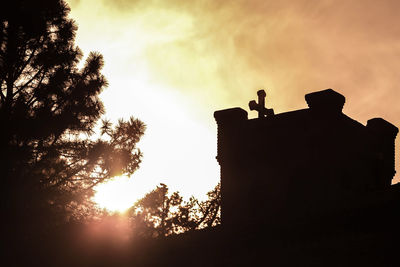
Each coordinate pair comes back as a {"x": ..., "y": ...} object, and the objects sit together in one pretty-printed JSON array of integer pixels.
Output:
[
  {"x": 159, "y": 213},
  {"x": 49, "y": 107}
]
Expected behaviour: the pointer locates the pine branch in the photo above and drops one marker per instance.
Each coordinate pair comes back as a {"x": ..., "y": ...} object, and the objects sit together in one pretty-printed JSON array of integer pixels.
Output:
[{"x": 22, "y": 87}]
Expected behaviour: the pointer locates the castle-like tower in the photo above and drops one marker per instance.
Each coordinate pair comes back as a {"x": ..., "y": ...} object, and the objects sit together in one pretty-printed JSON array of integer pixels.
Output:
[{"x": 285, "y": 168}]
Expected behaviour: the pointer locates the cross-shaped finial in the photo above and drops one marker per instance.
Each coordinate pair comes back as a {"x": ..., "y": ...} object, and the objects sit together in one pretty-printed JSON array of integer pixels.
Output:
[{"x": 260, "y": 107}]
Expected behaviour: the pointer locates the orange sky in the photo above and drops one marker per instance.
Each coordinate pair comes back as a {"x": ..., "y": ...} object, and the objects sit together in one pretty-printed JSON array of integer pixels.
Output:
[{"x": 173, "y": 63}]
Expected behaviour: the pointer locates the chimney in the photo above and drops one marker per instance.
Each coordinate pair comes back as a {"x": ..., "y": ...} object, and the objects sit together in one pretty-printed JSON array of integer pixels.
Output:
[
  {"x": 325, "y": 101},
  {"x": 229, "y": 156},
  {"x": 230, "y": 116},
  {"x": 384, "y": 143},
  {"x": 229, "y": 123}
]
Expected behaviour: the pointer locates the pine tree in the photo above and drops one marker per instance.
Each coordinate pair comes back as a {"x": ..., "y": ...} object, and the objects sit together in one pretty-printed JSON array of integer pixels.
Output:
[{"x": 50, "y": 159}]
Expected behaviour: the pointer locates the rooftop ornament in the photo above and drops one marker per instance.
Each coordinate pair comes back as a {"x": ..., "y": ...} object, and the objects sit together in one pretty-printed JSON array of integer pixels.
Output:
[{"x": 260, "y": 106}]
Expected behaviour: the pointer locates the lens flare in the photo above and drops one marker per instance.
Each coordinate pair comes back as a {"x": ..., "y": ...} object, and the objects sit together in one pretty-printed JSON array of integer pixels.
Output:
[{"x": 115, "y": 195}]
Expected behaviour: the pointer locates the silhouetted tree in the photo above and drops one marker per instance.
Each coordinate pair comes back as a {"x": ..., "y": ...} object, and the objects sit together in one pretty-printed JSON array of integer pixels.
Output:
[
  {"x": 209, "y": 211},
  {"x": 50, "y": 160},
  {"x": 160, "y": 214},
  {"x": 153, "y": 215},
  {"x": 194, "y": 214}
]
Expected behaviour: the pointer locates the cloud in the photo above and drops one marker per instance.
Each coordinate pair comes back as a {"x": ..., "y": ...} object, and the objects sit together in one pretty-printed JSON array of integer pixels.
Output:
[{"x": 291, "y": 47}]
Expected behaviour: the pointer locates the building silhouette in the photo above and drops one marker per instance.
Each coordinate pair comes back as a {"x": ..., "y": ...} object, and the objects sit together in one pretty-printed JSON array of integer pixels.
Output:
[
  {"x": 302, "y": 166},
  {"x": 310, "y": 187}
]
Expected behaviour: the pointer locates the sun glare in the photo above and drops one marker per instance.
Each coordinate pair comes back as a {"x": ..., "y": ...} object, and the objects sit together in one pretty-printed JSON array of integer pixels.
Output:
[{"x": 115, "y": 195}]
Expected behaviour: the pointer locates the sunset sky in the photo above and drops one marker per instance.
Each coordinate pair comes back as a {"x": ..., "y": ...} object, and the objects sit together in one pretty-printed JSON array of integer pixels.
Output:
[{"x": 173, "y": 63}]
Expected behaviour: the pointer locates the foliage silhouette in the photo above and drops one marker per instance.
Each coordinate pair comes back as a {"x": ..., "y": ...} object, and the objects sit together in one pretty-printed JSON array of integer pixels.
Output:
[
  {"x": 160, "y": 214},
  {"x": 50, "y": 159}
]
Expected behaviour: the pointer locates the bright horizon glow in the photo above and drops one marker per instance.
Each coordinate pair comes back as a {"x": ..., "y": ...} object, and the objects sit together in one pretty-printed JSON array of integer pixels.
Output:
[
  {"x": 179, "y": 146},
  {"x": 162, "y": 155}
]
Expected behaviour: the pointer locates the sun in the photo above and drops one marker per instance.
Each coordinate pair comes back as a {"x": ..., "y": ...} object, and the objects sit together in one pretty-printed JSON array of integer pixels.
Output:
[{"x": 115, "y": 195}]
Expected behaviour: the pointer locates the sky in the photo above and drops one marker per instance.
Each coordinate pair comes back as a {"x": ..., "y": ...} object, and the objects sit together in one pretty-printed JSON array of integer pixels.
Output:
[{"x": 173, "y": 63}]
